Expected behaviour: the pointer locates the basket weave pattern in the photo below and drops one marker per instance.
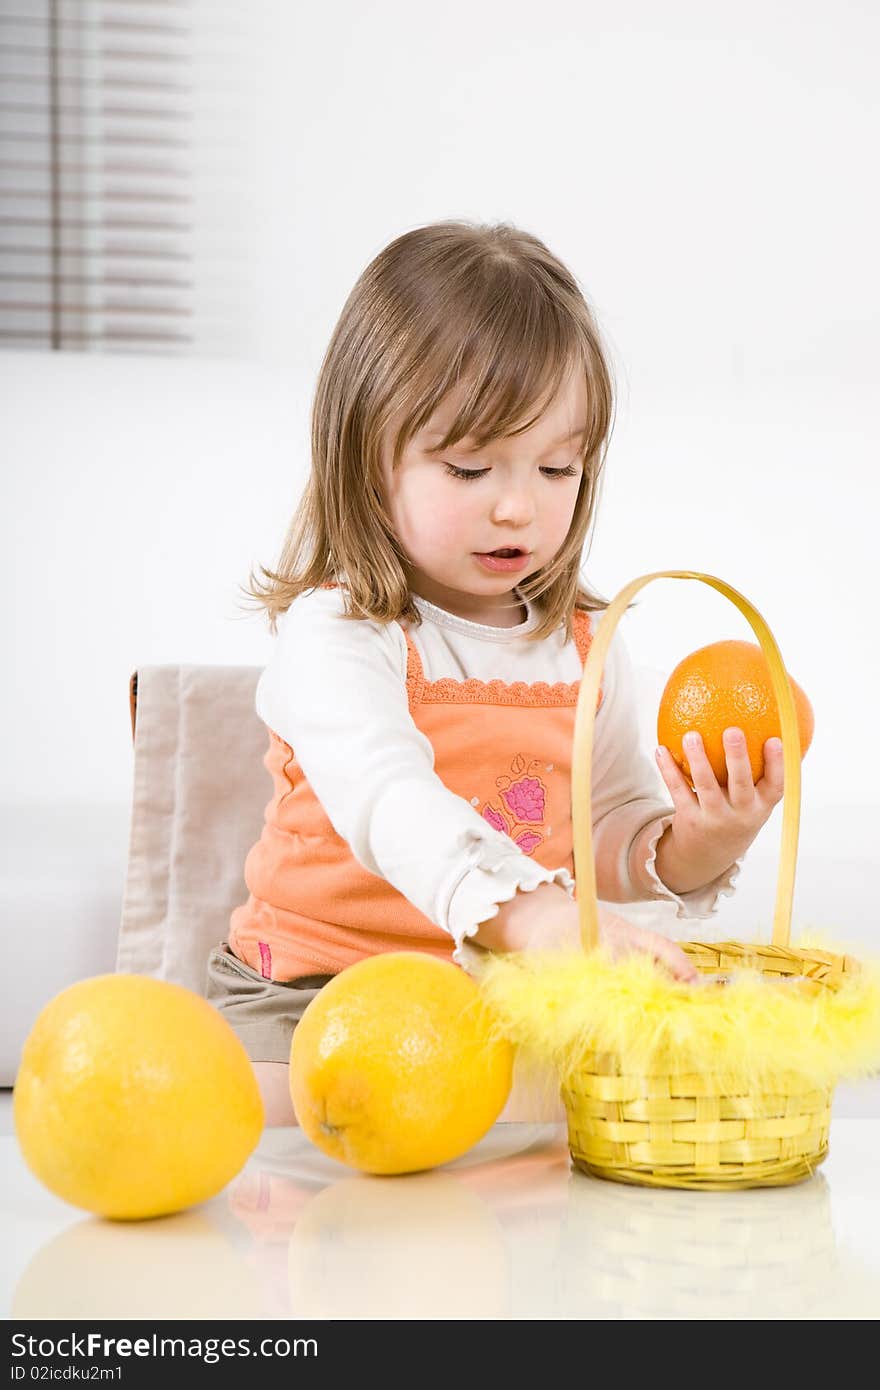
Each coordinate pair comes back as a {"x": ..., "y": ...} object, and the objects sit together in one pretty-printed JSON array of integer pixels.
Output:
[{"x": 691, "y": 1131}]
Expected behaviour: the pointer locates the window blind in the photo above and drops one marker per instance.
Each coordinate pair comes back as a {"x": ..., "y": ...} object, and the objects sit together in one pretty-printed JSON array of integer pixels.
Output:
[{"x": 113, "y": 204}]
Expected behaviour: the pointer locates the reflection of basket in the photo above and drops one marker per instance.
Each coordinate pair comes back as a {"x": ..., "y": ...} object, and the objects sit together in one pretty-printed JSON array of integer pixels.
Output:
[
  {"x": 644, "y": 1254},
  {"x": 739, "y": 1092}
]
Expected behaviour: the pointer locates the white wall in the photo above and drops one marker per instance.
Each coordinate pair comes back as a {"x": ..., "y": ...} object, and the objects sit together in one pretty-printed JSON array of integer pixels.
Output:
[{"x": 704, "y": 172}]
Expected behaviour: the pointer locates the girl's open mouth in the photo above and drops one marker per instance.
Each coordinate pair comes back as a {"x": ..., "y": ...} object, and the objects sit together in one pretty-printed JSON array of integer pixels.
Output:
[{"x": 505, "y": 560}]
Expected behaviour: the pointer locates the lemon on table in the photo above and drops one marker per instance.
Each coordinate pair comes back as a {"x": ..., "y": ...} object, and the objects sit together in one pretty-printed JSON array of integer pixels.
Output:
[
  {"x": 395, "y": 1067},
  {"x": 134, "y": 1097}
]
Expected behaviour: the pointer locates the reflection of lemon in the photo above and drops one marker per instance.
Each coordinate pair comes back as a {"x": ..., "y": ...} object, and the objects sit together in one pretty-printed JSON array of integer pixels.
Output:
[
  {"x": 134, "y": 1097},
  {"x": 175, "y": 1267},
  {"x": 392, "y": 1068},
  {"x": 423, "y": 1246}
]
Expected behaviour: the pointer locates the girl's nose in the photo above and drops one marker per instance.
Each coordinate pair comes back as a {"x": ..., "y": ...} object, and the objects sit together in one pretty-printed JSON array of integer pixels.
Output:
[{"x": 514, "y": 505}]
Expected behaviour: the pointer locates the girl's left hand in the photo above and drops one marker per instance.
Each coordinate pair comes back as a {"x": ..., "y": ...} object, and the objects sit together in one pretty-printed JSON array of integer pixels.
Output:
[{"x": 714, "y": 825}]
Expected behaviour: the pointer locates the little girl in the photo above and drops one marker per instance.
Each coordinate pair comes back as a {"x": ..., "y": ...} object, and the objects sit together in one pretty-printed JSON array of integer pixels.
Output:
[{"x": 431, "y": 633}]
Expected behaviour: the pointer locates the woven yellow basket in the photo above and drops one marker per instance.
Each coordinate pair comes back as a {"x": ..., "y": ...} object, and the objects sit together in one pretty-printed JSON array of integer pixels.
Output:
[
  {"x": 717, "y": 1085},
  {"x": 675, "y": 1129}
]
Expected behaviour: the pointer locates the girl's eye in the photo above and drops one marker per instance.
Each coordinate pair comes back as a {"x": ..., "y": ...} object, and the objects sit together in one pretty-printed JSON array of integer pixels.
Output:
[{"x": 468, "y": 473}]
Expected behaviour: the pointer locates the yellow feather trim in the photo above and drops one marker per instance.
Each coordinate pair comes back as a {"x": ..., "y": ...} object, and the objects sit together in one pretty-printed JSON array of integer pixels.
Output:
[{"x": 753, "y": 1034}]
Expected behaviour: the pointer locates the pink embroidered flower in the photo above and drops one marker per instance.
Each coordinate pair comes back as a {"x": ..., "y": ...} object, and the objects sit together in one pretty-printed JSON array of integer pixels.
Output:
[
  {"x": 529, "y": 841},
  {"x": 525, "y": 799},
  {"x": 494, "y": 819}
]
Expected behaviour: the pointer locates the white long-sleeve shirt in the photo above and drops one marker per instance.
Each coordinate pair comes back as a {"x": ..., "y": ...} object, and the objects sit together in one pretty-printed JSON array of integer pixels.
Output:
[{"x": 335, "y": 690}]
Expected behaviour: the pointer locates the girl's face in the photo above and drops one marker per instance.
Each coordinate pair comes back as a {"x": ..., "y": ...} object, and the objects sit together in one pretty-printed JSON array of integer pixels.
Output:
[{"x": 520, "y": 492}]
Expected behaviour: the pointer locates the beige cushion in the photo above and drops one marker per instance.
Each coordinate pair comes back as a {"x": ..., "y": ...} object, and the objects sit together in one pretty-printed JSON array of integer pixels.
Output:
[{"x": 200, "y": 790}]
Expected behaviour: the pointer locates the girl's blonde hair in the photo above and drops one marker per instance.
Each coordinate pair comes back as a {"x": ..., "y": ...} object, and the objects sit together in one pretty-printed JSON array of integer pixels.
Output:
[{"x": 449, "y": 302}]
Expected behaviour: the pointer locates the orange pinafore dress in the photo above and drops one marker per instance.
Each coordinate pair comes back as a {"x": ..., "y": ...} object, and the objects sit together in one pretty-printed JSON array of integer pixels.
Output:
[{"x": 506, "y": 748}]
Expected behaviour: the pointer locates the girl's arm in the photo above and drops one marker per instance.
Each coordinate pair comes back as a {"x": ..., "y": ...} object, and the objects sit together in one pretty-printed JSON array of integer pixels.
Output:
[{"x": 546, "y": 918}]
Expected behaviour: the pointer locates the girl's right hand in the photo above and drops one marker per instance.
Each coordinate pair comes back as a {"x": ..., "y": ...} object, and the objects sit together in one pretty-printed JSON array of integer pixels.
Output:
[
  {"x": 546, "y": 919},
  {"x": 560, "y": 930},
  {"x": 622, "y": 938}
]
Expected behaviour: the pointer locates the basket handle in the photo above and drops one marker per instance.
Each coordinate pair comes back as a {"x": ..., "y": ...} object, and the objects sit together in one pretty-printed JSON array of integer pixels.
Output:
[{"x": 582, "y": 759}]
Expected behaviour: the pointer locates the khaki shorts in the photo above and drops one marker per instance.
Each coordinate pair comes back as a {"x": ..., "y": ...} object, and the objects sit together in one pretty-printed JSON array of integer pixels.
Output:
[{"x": 263, "y": 1013}]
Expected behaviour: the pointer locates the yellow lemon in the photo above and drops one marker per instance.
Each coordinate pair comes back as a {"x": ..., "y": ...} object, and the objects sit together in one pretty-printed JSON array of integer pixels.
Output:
[
  {"x": 395, "y": 1066},
  {"x": 134, "y": 1098}
]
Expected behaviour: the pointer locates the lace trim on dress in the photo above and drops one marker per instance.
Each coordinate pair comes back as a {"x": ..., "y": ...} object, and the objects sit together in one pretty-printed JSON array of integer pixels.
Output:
[{"x": 498, "y": 692}]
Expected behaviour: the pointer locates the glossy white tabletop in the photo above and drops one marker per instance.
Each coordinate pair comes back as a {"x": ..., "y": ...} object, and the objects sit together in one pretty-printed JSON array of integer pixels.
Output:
[{"x": 511, "y": 1230}]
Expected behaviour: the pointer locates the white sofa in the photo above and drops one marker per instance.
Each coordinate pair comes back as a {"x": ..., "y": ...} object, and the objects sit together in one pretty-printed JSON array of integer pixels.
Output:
[{"x": 149, "y": 886}]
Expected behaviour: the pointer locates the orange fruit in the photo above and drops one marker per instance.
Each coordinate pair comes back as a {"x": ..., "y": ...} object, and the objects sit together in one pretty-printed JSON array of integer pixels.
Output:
[
  {"x": 134, "y": 1097},
  {"x": 726, "y": 685},
  {"x": 394, "y": 1066}
]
